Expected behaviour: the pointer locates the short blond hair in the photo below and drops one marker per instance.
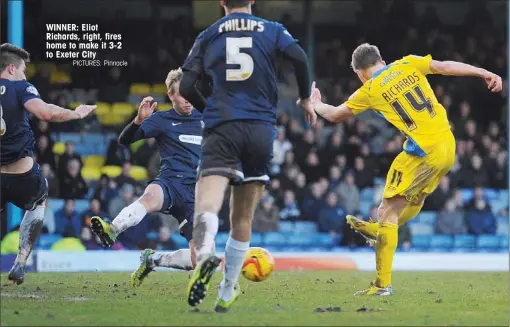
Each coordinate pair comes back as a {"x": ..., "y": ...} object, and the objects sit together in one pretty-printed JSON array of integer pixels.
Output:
[
  {"x": 172, "y": 80},
  {"x": 365, "y": 56}
]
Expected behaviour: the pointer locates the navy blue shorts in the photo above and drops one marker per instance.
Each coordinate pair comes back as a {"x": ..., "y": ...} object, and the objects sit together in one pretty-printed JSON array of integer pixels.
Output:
[
  {"x": 26, "y": 190},
  {"x": 178, "y": 201},
  {"x": 239, "y": 150}
]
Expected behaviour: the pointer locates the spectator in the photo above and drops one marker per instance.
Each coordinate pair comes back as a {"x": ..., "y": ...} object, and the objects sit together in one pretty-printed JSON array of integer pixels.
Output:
[
  {"x": 312, "y": 203},
  {"x": 474, "y": 175},
  {"x": 276, "y": 190},
  {"x": 67, "y": 156},
  {"x": 67, "y": 220},
  {"x": 498, "y": 172},
  {"x": 450, "y": 220},
  {"x": 280, "y": 146},
  {"x": 144, "y": 154},
  {"x": 436, "y": 201},
  {"x": 89, "y": 241},
  {"x": 290, "y": 210},
  {"x": 479, "y": 194},
  {"x": 164, "y": 240},
  {"x": 73, "y": 185},
  {"x": 117, "y": 154},
  {"x": 265, "y": 218},
  {"x": 364, "y": 177},
  {"x": 105, "y": 191},
  {"x": 480, "y": 219},
  {"x": 126, "y": 197},
  {"x": 53, "y": 182},
  {"x": 45, "y": 153},
  {"x": 93, "y": 210},
  {"x": 114, "y": 87},
  {"x": 300, "y": 188},
  {"x": 335, "y": 177},
  {"x": 331, "y": 218},
  {"x": 125, "y": 176},
  {"x": 312, "y": 168},
  {"x": 349, "y": 194}
]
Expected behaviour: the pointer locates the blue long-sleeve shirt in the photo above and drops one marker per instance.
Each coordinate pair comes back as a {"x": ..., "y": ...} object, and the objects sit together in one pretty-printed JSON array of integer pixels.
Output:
[
  {"x": 64, "y": 222},
  {"x": 481, "y": 222}
]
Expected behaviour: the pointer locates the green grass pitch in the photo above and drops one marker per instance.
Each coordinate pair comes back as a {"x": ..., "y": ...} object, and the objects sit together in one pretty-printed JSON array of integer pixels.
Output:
[{"x": 287, "y": 298}]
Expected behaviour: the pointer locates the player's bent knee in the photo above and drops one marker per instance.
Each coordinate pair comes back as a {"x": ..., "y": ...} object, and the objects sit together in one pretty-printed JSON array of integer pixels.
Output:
[{"x": 152, "y": 199}]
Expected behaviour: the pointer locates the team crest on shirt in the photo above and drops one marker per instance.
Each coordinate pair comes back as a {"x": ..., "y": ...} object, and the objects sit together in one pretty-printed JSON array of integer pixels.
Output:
[{"x": 32, "y": 90}]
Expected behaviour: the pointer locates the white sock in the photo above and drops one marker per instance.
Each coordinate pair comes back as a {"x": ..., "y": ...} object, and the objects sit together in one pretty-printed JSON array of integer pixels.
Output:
[
  {"x": 29, "y": 231},
  {"x": 205, "y": 228},
  {"x": 130, "y": 216},
  {"x": 180, "y": 259},
  {"x": 235, "y": 251}
]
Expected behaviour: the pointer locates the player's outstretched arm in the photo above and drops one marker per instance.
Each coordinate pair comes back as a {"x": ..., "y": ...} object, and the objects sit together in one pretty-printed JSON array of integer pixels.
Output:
[
  {"x": 327, "y": 111},
  {"x": 297, "y": 56},
  {"x": 54, "y": 113},
  {"x": 132, "y": 132},
  {"x": 455, "y": 68}
]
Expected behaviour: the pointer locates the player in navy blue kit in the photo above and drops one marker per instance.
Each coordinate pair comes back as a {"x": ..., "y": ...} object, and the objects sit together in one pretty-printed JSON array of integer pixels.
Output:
[
  {"x": 237, "y": 54},
  {"x": 21, "y": 179},
  {"x": 178, "y": 133}
]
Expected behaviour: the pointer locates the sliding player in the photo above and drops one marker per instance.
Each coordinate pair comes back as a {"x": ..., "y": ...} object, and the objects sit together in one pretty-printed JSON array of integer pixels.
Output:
[
  {"x": 178, "y": 133},
  {"x": 21, "y": 179},
  {"x": 401, "y": 93}
]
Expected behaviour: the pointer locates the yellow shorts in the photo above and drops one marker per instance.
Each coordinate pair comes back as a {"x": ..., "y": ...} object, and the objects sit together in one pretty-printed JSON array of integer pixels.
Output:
[{"x": 411, "y": 176}]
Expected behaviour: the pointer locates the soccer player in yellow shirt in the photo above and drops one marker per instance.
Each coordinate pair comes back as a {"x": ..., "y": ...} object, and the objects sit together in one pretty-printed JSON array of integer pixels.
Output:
[{"x": 401, "y": 93}]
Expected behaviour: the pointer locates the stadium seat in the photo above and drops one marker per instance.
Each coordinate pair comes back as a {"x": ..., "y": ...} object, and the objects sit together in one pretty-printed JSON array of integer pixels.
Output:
[
  {"x": 340, "y": 249},
  {"x": 488, "y": 242},
  {"x": 152, "y": 236},
  {"x": 73, "y": 105},
  {"x": 180, "y": 241},
  {"x": 140, "y": 88},
  {"x": 70, "y": 137},
  {"x": 364, "y": 207},
  {"x": 81, "y": 205},
  {"x": 93, "y": 161},
  {"x": 159, "y": 89},
  {"x": 503, "y": 195},
  {"x": 305, "y": 227},
  {"x": 497, "y": 205},
  {"x": 93, "y": 138},
  {"x": 139, "y": 173},
  {"x": 464, "y": 242},
  {"x": 59, "y": 148},
  {"x": 441, "y": 242},
  {"x": 221, "y": 239},
  {"x": 123, "y": 109},
  {"x": 467, "y": 194},
  {"x": 420, "y": 241},
  {"x": 274, "y": 239},
  {"x": 427, "y": 217},
  {"x": 256, "y": 239},
  {"x": 286, "y": 226},
  {"x": 504, "y": 242},
  {"x": 299, "y": 240},
  {"x": 491, "y": 193},
  {"x": 46, "y": 241},
  {"x": 103, "y": 108},
  {"x": 421, "y": 229},
  {"x": 91, "y": 173},
  {"x": 164, "y": 106},
  {"x": 30, "y": 70},
  {"x": 367, "y": 194},
  {"x": 111, "y": 171},
  {"x": 85, "y": 149},
  {"x": 112, "y": 119},
  {"x": 60, "y": 77},
  {"x": 55, "y": 204},
  {"x": 322, "y": 239}
]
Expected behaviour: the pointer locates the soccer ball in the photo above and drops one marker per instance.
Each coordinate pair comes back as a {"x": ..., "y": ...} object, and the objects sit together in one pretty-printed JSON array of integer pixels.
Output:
[{"x": 258, "y": 264}]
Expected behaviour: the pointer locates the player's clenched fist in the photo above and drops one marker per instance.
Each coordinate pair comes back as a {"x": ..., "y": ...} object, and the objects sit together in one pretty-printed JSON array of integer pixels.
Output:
[
  {"x": 84, "y": 110},
  {"x": 146, "y": 108}
]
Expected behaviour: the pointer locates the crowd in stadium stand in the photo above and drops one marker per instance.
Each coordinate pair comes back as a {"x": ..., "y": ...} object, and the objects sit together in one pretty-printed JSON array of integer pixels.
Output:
[{"x": 318, "y": 175}]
